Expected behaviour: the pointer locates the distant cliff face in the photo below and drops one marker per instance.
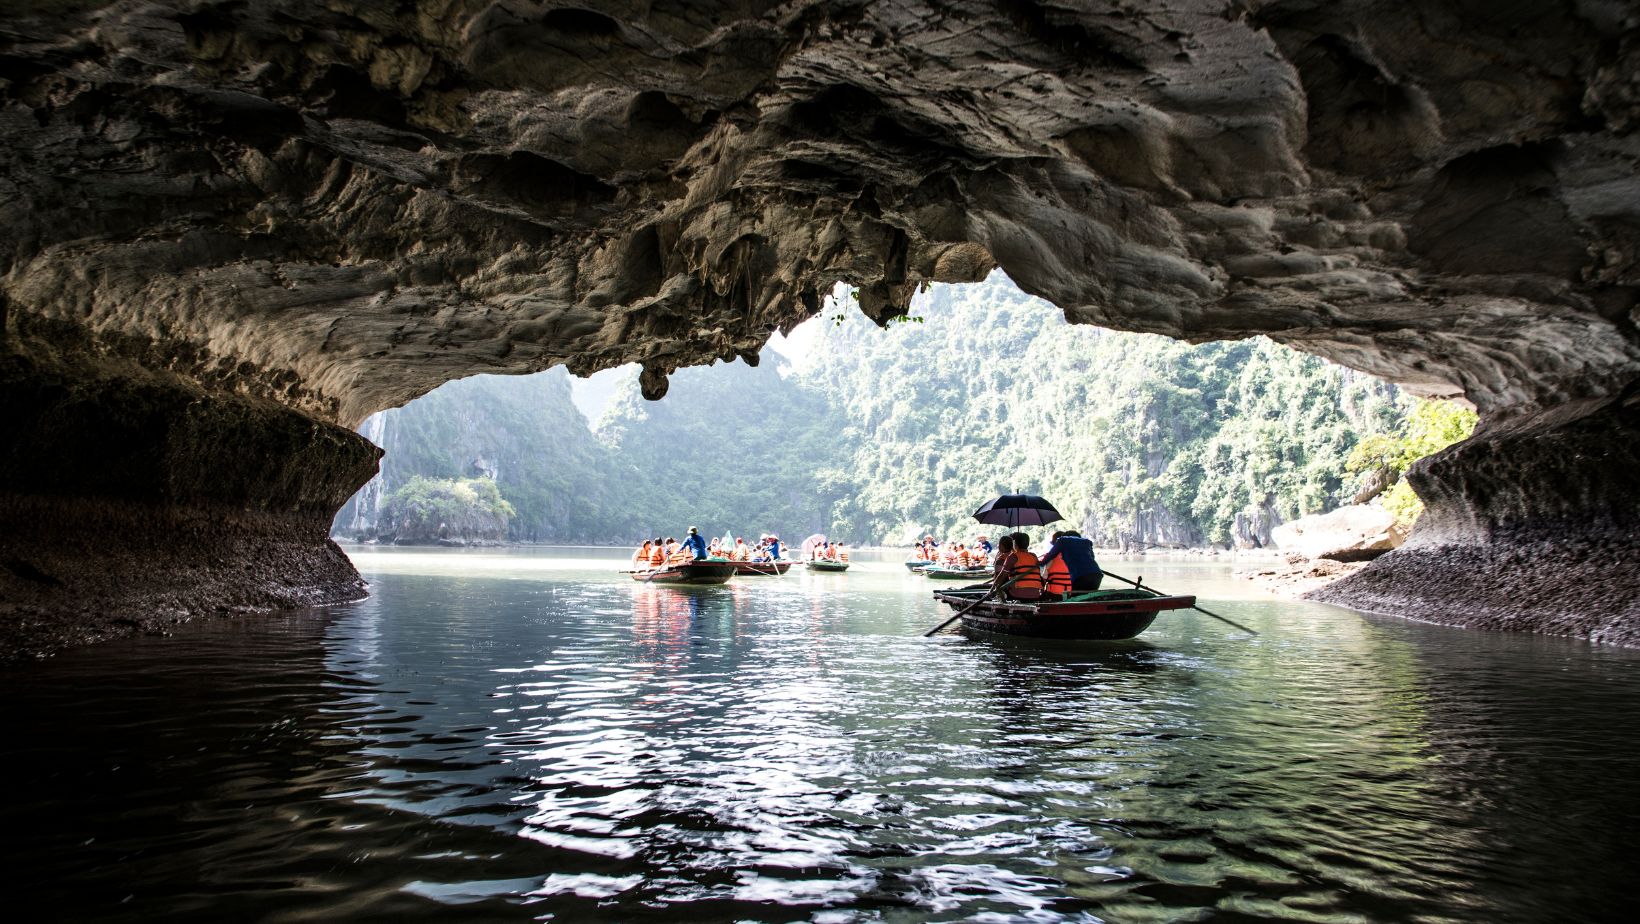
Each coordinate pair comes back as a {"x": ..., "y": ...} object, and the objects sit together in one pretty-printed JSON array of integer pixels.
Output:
[
  {"x": 328, "y": 207},
  {"x": 524, "y": 433}
]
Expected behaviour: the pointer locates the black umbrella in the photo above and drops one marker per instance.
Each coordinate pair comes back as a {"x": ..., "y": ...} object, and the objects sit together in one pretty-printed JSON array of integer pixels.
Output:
[{"x": 1016, "y": 510}]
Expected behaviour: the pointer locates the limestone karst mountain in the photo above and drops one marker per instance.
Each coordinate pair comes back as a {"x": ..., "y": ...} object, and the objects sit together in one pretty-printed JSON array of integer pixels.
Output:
[{"x": 878, "y": 435}]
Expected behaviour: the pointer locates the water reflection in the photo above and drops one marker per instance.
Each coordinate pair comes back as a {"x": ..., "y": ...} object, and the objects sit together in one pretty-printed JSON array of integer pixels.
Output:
[{"x": 557, "y": 741}]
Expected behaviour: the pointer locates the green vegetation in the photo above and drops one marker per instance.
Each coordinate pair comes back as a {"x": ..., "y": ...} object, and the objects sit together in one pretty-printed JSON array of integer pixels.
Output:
[
  {"x": 447, "y": 510},
  {"x": 1138, "y": 438},
  {"x": 883, "y": 434},
  {"x": 521, "y": 431},
  {"x": 1385, "y": 457}
]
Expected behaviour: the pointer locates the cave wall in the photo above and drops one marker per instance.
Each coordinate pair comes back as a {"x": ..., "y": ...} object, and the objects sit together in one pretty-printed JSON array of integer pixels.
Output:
[{"x": 328, "y": 207}]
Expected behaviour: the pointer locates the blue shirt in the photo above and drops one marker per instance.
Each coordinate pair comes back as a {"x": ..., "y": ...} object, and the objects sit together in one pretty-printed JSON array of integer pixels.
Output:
[
  {"x": 774, "y": 548},
  {"x": 1077, "y": 551},
  {"x": 695, "y": 544}
]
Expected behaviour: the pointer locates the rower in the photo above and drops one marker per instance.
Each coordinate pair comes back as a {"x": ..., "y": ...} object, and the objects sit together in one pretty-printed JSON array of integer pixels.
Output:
[
  {"x": 1077, "y": 554},
  {"x": 694, "y": 544}
]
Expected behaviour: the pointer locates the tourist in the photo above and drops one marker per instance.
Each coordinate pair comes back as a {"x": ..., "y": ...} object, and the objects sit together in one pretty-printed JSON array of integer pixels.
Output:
[
  {"x": 1005, "y": 547},
  {"x": 984, "y": 545},
  {"x": 1023, "y": 569},
  {"x": 694, "y": 544},
  {"x": 657, "y": 553},
  {"x": 1056, "y": 572},
  {"x": 641, "y": 557},
  {"x": 1077, "y": 554}
]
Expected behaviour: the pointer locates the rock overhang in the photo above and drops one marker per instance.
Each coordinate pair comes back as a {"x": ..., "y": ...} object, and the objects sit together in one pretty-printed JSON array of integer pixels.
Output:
[{"x": 332, "y": 207}]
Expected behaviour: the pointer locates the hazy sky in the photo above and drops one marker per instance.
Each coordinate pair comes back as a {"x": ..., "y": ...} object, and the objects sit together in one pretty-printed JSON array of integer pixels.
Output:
[{"x": 593, "y": 393}]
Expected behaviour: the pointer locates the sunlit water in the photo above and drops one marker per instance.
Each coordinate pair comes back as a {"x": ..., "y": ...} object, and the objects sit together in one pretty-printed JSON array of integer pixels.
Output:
[{"x": 530, "y": 735}]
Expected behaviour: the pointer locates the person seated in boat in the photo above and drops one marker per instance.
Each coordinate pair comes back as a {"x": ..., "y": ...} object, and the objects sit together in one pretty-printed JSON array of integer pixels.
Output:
[
  {"x": 641, "y": 557},
  {"x": 1056, "y": 575},
  {"x": 657, "y": 553},
  {"x": 984, "y": 545},
  {"x": 671, "y": 548},
  {"x": 1077, "y": 554},
  {"x": 1005, "y": 547},
  {"x": 774, "y": 548},
  {"x": 1023, "y": 569},
  {"x": 694, "y": 545}
]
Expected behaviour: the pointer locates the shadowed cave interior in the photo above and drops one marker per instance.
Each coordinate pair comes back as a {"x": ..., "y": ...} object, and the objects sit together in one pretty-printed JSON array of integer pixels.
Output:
[{"x": 234, "y": 230}]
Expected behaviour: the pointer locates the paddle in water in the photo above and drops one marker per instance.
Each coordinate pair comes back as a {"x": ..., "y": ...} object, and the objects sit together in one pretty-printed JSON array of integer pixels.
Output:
[
  {"x": 1208, "y": 612},
  {"x": 960, "y": 613}
]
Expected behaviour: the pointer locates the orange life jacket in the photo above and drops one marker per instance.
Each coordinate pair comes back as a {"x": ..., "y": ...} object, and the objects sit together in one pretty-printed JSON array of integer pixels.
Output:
[
  {"x": 643, "y": 553},
  {"x": 658, "y": 556},
  {"x": 1023, "y": 571},
  {"x": 1059, "y": 576}
]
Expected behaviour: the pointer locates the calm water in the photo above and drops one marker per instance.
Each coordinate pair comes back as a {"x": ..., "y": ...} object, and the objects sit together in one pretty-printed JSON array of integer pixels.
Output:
[{"x": 528, "y": 735}]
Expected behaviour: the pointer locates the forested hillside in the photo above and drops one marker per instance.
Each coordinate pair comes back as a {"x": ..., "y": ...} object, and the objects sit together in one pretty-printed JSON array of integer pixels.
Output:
[
  {"x": 883, "y": 434},
  {"x": 522, "y": 431},
  {"x": 1140, "y": 439}
]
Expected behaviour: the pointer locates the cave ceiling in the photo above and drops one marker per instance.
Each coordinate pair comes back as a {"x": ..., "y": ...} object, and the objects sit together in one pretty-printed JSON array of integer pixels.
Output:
[{"x": 339, "y": 205}]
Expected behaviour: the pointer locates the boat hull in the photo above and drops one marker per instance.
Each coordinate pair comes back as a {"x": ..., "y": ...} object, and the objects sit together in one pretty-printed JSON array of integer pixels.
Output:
[
  {"x": 763, "y": 568},
  {"x": 956, "y": 574},
  {"x": 1093, "y": 620},
  {"x": 827, "y": 565},
  {"x": 915, "y": 565},
  {"x": 694, "y": 572}
]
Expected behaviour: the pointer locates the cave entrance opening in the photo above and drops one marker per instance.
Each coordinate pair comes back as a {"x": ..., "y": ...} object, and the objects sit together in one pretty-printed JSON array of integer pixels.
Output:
[{"x": 878, "y": 436}]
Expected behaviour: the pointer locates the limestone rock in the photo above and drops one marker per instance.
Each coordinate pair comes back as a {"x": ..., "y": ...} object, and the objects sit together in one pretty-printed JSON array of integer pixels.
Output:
[
  {"x": 1352, "y": 533},
  {"x": 333, "y": 206}
]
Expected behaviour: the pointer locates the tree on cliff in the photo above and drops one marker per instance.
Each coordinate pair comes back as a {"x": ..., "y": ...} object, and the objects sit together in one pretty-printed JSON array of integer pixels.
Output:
[
  {"x": 1385, "y": 457},
  {"x": 428, "y": 510}
]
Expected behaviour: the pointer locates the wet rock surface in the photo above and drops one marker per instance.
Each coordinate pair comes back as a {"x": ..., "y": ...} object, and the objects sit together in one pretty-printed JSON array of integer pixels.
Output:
[
  {"x": 136, "y": 503},
  {"x": 332, "y": 207}
]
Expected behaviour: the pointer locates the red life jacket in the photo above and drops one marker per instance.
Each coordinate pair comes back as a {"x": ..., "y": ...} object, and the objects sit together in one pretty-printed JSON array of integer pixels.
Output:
[
  {"x": 1059, "y": 576},
  {"x": 1023, "y": 571}
]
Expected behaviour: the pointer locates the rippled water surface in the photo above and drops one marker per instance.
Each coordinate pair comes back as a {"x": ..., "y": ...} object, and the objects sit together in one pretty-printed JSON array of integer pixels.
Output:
[{"x": 529, "y": 735}]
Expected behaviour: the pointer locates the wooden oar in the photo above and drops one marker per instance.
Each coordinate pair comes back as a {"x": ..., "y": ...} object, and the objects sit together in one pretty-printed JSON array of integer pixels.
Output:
[
  {"x": 962, "y": 612},
  {"x": 1208, "y": 612}
]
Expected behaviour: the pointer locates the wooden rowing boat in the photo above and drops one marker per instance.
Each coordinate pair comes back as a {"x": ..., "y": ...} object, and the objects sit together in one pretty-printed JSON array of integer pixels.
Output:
[
  {"x": 765, "y": 568},
  {"x": 706, "y": 571},
  {"x": 917, "y": 564},
  {"x": 940, "y": 573},
  {"x": 1100, "y": 614},
  {"x": 820, "y": 564}
]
